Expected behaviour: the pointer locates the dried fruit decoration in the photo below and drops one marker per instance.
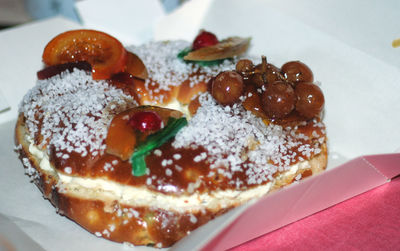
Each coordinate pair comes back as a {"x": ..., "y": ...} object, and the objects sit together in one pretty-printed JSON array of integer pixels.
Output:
[
  {"x": 154, "y": 141},
  {"x": 146, "y": 121},
  {"x": 53, "y": 70},
  {"x": 227, "y": 87},
  {"x": 204, "y": 39},
  {"x": 286, "y": 94},
  {"x": 105, "y": 54},
  {"x": 135, "y": 133},
  {"x": 310, "y": 99},
  {"x": 207, "y": 50}
]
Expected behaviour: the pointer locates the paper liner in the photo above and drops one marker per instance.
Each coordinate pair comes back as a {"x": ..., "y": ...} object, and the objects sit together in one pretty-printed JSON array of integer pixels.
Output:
[
  {"x": 339, "y": 66},
  {"x": 13, "y": 238},
  {"x": 4, "y": 106},
  {"x": 307, "y": 197}
]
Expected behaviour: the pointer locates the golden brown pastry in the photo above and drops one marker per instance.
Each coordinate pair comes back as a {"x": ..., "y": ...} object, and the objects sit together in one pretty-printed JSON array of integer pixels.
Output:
[{"x": 80, "y": 139}]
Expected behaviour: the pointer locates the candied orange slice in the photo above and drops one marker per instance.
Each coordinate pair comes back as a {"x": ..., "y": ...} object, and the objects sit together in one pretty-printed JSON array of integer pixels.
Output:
[
  {"x": 105, "y": 53},
  {"x": 121, "y": 137},
  {"x": 135, "y": 66}
]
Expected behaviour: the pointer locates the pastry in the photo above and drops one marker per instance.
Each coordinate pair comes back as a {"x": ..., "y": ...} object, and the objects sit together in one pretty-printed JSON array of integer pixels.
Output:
[{"x": 143, "y": 146}]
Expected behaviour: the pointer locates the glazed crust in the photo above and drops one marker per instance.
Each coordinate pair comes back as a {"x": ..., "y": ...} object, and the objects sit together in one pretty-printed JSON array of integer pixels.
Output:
[
  {"x": 119, "y": 222},
  {"x": 109, "y": 218}
]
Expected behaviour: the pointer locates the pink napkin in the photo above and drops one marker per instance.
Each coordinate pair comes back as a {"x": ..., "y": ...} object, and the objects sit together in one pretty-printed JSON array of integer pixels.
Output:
[{"x": 370, "y": 221}]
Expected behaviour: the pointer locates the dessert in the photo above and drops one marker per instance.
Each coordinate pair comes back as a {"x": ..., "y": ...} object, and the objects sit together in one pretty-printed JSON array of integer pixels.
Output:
[{"x": 145, "y": 146}]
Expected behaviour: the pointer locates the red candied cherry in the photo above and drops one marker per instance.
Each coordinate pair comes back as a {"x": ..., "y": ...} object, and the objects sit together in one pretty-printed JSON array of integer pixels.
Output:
[
  {"x": 204, "y": 39},
  {"x": 227, "y": 87},
  {"x": 145, "y": 121},
  {"x": 310, "y": 99},
  {"x": 278, "y": 99},
  {"x": 296, "y": 71}
]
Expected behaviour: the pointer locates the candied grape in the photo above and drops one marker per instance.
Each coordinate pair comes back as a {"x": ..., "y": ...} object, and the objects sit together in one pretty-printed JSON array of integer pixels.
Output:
[
  {"x": 252, "y": 101},
  {"x": 259, "y": 79},
  {"x": 227, "y": 87},
  {"x": 245, "y": 67},
  {"x": 53, "y": 70},
  {"x": 209, "y": 84},
  {"x": 310, "y": 100},
  {"x": 296, "y": 71},
  {"x": 278, "y": 99},
  {"x": 272, "y": 73},
  {"x": 265, "y": 73}
]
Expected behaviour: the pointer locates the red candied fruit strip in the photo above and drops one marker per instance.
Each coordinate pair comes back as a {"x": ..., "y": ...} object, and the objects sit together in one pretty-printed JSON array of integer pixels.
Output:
[{"x": 53, "y": 70}]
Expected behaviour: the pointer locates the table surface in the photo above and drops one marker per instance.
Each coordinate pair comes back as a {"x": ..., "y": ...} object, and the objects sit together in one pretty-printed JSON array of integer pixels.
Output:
[{"x": 370, "y": 221}]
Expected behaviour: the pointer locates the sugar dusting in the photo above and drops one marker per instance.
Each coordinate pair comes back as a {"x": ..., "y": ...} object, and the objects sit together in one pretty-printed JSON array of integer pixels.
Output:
[
  {"x": 71, "y": 111},
  {"x": 237, "y": 140},
  {"x": 167, "y": 70}
]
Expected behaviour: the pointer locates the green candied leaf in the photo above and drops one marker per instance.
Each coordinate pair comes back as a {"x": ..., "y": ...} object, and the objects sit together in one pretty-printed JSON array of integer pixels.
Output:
[
  {"x": 183, "y": 53},
  {"x": 138, "y": 165},
  {"x": 186, "y": 51},
  {"x": 154, "y": 141},
  {"x": 208, "y": 63}
]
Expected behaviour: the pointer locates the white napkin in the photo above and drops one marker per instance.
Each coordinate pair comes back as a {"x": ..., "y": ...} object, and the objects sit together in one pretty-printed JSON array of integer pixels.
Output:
[
  {"x": 131, "y": 21},
  {"x": 3, "y": 103}
]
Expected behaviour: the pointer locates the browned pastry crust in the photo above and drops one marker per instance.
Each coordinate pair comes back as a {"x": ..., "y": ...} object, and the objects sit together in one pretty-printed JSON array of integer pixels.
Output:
[
  {"x": 189, "y": 189},
  {"x": 109, "y": 218},
  {"x": 124, "y": 223}
]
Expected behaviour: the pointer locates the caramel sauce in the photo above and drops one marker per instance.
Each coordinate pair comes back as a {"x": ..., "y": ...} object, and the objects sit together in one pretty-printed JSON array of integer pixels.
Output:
[{"x": 253, "y": 101}]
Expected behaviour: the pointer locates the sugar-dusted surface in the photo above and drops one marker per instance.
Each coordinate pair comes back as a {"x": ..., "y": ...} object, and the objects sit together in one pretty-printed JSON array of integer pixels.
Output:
[
  {"x": 238, "y": 141},
  {"x": 167, "y": 70},
  {"x": 223, "y": 158},
  {"x": 71, "y": 112}
]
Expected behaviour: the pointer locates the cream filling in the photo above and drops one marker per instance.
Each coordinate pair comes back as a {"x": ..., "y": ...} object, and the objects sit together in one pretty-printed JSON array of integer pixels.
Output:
[
  {"x": 95, "y": 188},
  {"x": 175, "y": 105}
]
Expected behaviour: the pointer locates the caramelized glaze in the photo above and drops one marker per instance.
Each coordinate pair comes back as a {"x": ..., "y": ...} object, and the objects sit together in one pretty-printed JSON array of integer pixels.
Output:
[{"x": 183, "y": 170}]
